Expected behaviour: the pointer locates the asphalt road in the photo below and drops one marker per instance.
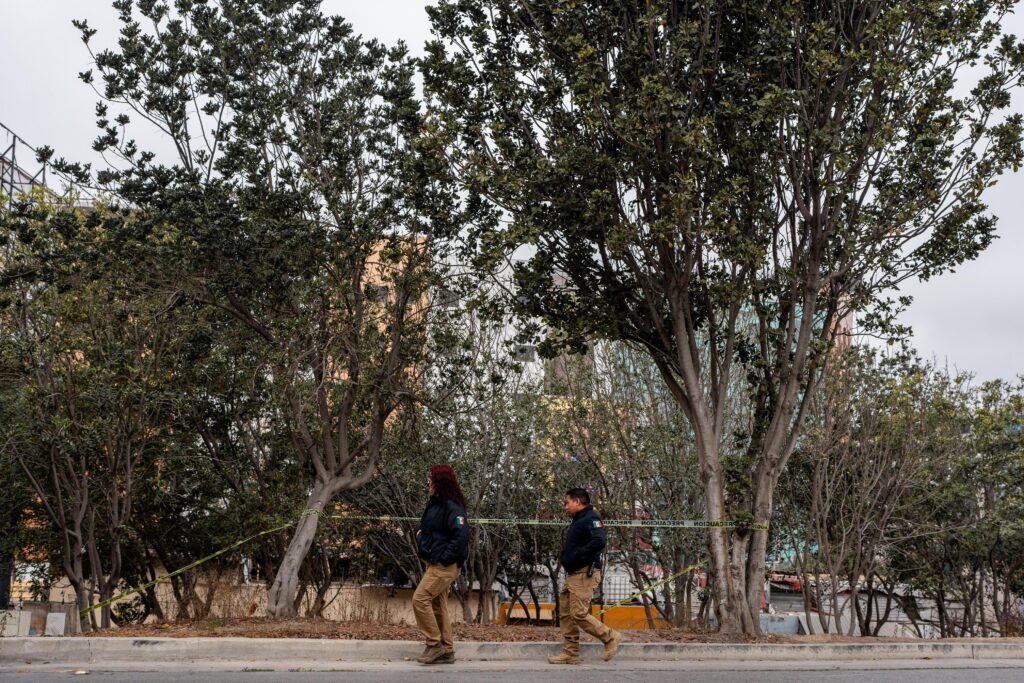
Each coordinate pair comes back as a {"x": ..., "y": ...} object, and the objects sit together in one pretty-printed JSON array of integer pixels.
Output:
[{"x": 690, "y": 672}]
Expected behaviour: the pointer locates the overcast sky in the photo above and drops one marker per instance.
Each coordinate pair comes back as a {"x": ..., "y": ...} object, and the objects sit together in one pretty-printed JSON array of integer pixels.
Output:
[{"x": 972, "y": 320}]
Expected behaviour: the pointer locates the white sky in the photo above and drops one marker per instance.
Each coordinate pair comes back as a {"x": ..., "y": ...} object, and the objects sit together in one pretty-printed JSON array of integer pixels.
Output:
[{"x": 972, "y": 320}]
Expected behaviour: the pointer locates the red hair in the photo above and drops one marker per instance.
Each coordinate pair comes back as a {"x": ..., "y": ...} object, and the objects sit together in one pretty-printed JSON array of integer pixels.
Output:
[{"x": 446, "y": 486}]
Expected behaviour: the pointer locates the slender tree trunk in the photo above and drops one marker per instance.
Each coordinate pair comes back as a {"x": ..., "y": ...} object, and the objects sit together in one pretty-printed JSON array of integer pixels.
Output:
[
  {"x": 981, "y": 603},
  {"x": 912, "y": 614},
  {"x": 555, "y": 589},
  {"x": 6, "y": 565},
  {"x": 702, "y": 608},
  {"x": 83, "y": 597},
  {"x": 281, "y": 598},
  {"x": 837, "y": 608},
  {"x": 536, "y": 602},
  {"x": 152, "y": 603},
  {"x": 321, "y": 582},
  {"x": 686, "y": 616},
  {"x": 883, "y": 618},
  {"x": 465, "y": 594},
  {"x": 940, "y": 605},
  {"x": 106, "y": 593},
  {"x": 76, "y": 577}
]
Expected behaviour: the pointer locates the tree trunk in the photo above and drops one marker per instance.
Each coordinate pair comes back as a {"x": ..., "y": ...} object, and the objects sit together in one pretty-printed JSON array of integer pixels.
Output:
[
  {"x": 464, "y": 593},
  {"x": 106, "y": 593},
  {"x": 536, "y": 602},
  {"x": 181, "y": 585},
  {"x": 735, "y": 617},
  {"x": 205, "y": 606},
  {"x": 83, "y": 597},
  {"x": 883, "y": 618},
  {"x": 555, "y": 590},
  {"x": 684, "y": 601},
  {"x": 737, "y": 556},
  {"x": 729, "y": 568},
  {"x": 983, "y": 623},
  {"x": 6, "y": 564},
  {"x": 281, "y": 599}
]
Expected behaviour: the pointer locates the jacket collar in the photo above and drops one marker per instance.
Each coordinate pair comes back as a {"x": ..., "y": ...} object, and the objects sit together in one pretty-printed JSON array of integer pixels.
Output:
[{"x": 579, "y": 515}]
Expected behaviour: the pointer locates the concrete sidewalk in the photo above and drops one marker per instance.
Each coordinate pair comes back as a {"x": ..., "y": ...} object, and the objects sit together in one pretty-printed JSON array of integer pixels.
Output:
[{"x": 331, "y": 652}]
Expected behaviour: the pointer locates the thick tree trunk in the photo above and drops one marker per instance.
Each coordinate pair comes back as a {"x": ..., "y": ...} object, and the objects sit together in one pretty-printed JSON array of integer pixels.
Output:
[
  {"x": 729, "y": 553},
  {"x": 739, "y": 613},
  {"x": 729, "y": 586},
  {"x": 281, "y": 599}
]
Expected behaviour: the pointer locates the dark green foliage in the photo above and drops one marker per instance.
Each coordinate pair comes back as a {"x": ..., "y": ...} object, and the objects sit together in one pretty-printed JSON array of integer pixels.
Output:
[{"x": 722, "y": 183}]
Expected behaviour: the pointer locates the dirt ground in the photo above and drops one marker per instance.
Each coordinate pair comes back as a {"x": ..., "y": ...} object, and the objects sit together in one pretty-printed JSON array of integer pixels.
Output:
[{"x": 320, "y": 628}]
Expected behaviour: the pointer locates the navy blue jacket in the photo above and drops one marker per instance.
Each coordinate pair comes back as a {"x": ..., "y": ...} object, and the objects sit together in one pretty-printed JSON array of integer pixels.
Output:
[
  {"x": 584, "y": 541},
  {"x": 443, "y": 536}
]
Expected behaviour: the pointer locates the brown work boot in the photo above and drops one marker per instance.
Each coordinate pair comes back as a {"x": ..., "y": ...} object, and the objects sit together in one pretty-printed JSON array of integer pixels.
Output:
[
  {"x": 446, "y": 658},
  {"x": 611, "y": 646},
  {"x": 431, "y": 654},
  {"x": 564, "y": 659}
]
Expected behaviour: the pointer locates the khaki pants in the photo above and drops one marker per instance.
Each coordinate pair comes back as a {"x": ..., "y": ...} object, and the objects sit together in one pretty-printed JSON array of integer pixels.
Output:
[
  {"x": 430, "y": 604},
  {"x": 574, "y": 611}
]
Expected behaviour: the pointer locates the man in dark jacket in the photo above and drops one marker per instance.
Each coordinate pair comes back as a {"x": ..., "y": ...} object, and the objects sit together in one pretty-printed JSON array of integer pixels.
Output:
[
  {"x": 443, "y": 544},
  {"x": 581, "y": 558}
]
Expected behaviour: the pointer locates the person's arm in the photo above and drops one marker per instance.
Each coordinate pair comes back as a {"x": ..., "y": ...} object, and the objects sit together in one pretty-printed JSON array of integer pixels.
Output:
[
  {"x": 423, "y": 539},
  {"x": 458, "y": 536},
  {"x": 598, "y": 540}
]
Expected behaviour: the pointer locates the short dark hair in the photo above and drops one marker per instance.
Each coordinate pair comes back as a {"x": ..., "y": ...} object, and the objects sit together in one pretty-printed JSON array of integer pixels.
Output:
[{"x": 578, "y": 494}]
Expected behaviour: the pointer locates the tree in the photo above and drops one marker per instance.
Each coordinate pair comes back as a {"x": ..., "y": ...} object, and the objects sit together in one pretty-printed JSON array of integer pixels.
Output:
[
  {"x": 482, "y": 422},
  {"x": 623, "y": 426},
  {"x": 230, "y": 466},
  {"x": 298, "y": 202},
  {"x": 970, "y": 566},
  {"x": 15, "y": 500},
  {"x": 91, "y": 377},
  {"x": 723, "y": 183},
  {"x": 859, "y": 485},
  {"x": 999, "y": 429},
  {"x": 15, "y": 496}
]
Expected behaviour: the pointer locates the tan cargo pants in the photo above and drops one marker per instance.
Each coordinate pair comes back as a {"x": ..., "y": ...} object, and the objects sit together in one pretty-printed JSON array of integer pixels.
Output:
[
  {"x": 574, "y": 611},
  {"x": 430, "y": 605}
]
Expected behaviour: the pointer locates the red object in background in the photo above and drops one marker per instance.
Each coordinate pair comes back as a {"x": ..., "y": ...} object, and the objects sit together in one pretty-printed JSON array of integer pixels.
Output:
[{"x": 784, "y": 582}]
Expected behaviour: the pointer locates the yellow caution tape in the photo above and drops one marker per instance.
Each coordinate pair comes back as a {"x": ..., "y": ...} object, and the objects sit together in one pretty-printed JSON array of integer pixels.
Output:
[
  {"x": 651, "y": 587},
  {"x": 182, "y": 570},
  {"x": 639, "y": 523}
]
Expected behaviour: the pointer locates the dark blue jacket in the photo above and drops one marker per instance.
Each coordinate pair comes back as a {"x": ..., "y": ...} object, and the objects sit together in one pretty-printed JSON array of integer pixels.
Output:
[
  {"x": 443, "y": 536},
  {"x": 584, "y": 541}
]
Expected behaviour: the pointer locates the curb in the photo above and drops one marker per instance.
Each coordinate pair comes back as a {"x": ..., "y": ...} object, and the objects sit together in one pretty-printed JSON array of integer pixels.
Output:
[{"x": 112, "y": 649}]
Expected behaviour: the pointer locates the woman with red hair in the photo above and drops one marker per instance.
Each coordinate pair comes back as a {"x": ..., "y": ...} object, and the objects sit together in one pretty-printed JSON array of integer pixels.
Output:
[{"x": 443, "y": 543}]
